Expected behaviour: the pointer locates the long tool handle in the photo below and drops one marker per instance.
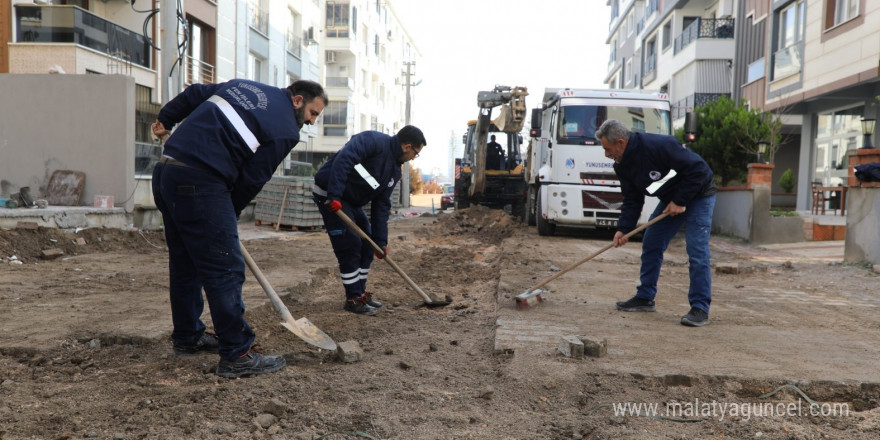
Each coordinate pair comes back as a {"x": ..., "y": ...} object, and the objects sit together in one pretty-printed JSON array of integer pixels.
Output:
[
  {"x": 354, "y": 227},
  {"x": 270, "y": 292},
  {"x": 594, "y": 254}
]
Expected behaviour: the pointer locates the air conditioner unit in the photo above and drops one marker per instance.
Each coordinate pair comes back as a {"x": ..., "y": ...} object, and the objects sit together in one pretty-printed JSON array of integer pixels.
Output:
[
  {"x": 310, "y": 35},
  {"x": 331, "y": 56}
]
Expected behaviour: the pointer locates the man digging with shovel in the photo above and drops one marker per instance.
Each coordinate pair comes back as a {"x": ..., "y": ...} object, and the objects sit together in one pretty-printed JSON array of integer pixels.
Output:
[
  {"x": 364, "y": 171},
  {"x": 232, "y": 138},
  {"x": 660, "y": 166}
]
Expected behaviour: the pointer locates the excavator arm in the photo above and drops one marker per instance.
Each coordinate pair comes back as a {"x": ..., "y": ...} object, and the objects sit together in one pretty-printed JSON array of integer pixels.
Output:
[{"x": 511, "y": 117}]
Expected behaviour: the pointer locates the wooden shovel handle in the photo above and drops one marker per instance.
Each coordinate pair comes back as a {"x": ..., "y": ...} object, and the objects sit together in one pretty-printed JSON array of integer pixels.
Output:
[
  {"x": 354, "y": 227},
  {"x": 594, "y": 254}
]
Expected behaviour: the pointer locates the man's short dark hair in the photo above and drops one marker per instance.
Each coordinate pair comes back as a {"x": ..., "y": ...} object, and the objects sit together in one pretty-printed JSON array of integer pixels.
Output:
[
  {"x": 411, "y": 134},
  {"x": 308, "y": 89}
]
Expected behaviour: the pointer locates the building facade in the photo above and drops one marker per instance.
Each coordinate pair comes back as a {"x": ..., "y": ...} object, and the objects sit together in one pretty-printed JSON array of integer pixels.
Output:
[
  {"x": 817, "y": 63},
  {"x": 358, "y": 49}
]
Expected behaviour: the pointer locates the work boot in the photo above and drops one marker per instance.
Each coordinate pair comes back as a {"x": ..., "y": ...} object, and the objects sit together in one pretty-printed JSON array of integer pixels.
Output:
[
  {"x": 636, "y": 304},
  {"x": 250, "y": 364},
  {"x": 695, "y": 318},
  {"x": 372, "y": 302},
  {"x": 359, "y": 306},
  {"x": 206, "y": 344}
]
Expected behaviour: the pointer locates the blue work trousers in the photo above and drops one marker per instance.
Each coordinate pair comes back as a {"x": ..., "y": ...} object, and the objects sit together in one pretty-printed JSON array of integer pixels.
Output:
[
  {"x": 201, "y": 232},
  {"x": 697, "y": 220},
  {"x": 354, "y": 254}
]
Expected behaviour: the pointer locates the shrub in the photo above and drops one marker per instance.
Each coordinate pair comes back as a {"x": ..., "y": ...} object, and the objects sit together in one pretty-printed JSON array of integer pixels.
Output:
[{"x": 786, "y": 181}]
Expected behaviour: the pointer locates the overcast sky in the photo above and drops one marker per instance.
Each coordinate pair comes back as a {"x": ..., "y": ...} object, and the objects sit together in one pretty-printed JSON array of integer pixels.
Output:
[{"x": 472, "y": 45}]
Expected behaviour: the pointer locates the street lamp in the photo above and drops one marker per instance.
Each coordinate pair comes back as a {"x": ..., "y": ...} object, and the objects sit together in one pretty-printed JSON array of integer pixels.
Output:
[
  {"x": 867, "y": 131},
  {"x": 762, "y": 148}
]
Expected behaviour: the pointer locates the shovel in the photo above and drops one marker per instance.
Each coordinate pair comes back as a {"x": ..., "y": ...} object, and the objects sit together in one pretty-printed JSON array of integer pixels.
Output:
[
  {"x": 301, "y": 327},
  {"x": 430, "y": 302},
  {"x": 537, "y": 291}
]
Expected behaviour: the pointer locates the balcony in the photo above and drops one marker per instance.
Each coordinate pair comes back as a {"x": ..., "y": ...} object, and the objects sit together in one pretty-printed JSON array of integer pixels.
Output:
[
  {"x": 70, "y": 24},
  {"x": 717, "y": 28}
]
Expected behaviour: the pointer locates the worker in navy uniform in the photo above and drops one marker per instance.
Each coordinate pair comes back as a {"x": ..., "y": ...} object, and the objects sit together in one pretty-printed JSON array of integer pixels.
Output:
[
  {"x": 494, "y": 155},
  {"x": 660, "y": 166},
  {"x": 232, "y": 138},
  {"x": 364, "y": 171}
]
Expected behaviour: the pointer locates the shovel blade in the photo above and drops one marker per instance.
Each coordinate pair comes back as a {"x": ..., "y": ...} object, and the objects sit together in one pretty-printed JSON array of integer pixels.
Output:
[{"x": 305, "y": 330}]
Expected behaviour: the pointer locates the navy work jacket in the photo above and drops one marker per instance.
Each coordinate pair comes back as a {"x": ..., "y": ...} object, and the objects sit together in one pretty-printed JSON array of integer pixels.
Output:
[
  {"x": 660, "y": 166},
  {"x": 365, "y": 170},
  {"x": 241, "y": 130}
]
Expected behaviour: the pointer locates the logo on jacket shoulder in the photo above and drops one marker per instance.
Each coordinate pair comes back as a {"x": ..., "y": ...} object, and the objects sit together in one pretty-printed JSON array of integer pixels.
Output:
[
  {"x": 654, "y": 175},
  {"x": 391, "y": 182}
]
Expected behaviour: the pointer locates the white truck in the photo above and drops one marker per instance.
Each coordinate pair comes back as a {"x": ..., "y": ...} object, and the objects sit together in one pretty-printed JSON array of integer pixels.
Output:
[{"x": 570, "y": 182}]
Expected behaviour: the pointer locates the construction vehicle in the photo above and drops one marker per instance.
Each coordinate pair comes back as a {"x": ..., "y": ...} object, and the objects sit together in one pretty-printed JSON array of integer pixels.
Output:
[
  {"x": 569, "y": 180},
  {"x": 502, "y": 188}
]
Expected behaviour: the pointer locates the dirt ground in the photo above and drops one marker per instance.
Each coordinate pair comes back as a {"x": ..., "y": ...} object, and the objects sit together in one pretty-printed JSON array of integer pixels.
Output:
[{"x": 84, "y": 348}]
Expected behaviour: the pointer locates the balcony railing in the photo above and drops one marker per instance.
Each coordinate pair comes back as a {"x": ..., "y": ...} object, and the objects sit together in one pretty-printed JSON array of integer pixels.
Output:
[
  {"x": 340, "y": 81},
  {"x": 70, "y": 24},
  {"x": 198, "y": 72},
  {"x": 294, "y": 44},
  {"x": 650, "y": 64},
  {"x": 704, "y": 28},
  {"x": 259, "y": 20},
  {"x": 689, "y": 103}
]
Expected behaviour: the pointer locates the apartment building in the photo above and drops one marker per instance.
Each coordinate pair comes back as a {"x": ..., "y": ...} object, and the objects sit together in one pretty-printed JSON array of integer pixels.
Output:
[
  {"x": 681, "y": 47},
  {"x": 816, "y": 63},
  {"x": 369, "y": 64},
  {"x": 358, "y": 49}
]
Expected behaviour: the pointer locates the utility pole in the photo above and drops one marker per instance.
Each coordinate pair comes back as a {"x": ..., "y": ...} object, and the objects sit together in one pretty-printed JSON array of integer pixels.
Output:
[
  {"x": 406, "y": 167},
  {"x": 170, "y": 51}
]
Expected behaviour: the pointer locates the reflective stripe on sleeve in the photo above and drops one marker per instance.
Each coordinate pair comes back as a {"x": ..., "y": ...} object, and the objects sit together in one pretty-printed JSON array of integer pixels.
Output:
[
  {"x": 366, "y": 175},
  {"x": 236, "y": 122},
  {"x": 652, "y": 188}
]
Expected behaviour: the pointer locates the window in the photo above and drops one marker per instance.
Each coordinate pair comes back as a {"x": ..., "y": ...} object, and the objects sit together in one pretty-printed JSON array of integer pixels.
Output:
[
  {"x": 337, "y": 19},
  {"x": 843, "y": 10},
  {"x": 790, "y": 24},
  {"x": 255, "y": 68},
  {"x": 335, "y": 118},
  {"x": 667, "y": 34}
]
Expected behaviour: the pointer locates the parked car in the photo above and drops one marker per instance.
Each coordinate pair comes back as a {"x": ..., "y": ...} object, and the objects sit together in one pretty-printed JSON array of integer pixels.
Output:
[{"x": 447, "y": 200}]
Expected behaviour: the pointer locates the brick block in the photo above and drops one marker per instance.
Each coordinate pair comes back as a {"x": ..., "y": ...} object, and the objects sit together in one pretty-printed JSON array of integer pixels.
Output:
[
  {"x": 349, "y": 352},
  {"x": 594, "y": 347},
  {"x": 571, "y": 346}
]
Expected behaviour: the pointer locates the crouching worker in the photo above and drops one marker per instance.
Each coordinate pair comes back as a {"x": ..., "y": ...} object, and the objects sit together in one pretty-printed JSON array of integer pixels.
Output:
[{"x": 364, "y": 171}]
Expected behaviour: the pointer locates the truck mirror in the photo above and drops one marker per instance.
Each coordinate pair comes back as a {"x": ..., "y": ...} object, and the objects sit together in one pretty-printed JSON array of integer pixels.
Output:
[
  {"x": 464, "y": 138},
  {"x": 519, "y": 138},
  {"x": 690, "y": 122},
  {"x": 535, "y": 130}
]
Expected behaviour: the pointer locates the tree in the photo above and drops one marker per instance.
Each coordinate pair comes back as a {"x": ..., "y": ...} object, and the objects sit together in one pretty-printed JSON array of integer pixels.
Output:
[
  {"x": 728, "y": 135},
  {"x": 415, "y": 180}
]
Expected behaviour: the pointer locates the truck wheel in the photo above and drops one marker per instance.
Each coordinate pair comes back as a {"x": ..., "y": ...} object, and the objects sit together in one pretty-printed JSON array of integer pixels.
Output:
[
  {"x": 517, "y": 209},
  {"x": 545, "y": 228},
  {"x": 529, "y": 211}
]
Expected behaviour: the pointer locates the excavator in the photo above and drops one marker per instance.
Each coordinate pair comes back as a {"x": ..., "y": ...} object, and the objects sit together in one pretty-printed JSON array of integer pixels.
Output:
[{"x": 495, "y": 188}]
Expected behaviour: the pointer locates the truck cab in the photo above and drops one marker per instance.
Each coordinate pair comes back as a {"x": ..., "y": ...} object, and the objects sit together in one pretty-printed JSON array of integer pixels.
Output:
[{"x": 570, "y": 182}]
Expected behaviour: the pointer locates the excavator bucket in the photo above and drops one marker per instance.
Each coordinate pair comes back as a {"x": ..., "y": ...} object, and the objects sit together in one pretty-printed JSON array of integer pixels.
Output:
[{"x": 512, "y": 114}]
